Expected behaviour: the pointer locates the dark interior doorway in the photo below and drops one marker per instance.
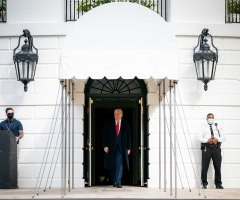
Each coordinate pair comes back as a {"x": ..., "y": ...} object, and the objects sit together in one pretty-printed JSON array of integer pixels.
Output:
[
  {"x": 102, "y": 96},
  {"x": 102, "y": 110}
]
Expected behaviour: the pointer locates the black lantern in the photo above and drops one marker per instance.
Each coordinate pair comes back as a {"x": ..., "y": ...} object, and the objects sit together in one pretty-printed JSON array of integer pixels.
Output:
[
  {"x": 26, "y": 59},
  {"x": 205, "y": 59}
]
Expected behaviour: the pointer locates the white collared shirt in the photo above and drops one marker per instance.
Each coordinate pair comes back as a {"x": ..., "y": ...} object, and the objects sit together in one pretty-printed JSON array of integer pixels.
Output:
[
  {"x": 119, "y": 124},
  {"x": 205, "y": 133}
]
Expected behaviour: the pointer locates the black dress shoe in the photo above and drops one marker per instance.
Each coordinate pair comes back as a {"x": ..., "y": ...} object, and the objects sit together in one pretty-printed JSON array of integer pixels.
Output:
[
  {"x": 114, "y": 185},
  {"x": 219, "y": 187},
  {"x": 204, "y": 186},
  {"x": 119, "y": 186}
]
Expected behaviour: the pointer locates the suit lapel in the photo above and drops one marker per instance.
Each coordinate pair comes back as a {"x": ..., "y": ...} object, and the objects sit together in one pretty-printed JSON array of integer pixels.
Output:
[
  {"x": 121, "y": 127},
  {"x": 114, "y": 128}
]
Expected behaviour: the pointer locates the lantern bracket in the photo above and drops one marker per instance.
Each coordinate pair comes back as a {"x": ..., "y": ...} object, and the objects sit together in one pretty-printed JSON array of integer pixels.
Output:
[
  {"x": 202, "y": 38},
  {"x": 26, "y": 34}
]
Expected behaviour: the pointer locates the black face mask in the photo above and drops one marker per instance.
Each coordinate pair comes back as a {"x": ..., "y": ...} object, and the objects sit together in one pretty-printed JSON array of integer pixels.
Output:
[{"x": 10, "y": 115}]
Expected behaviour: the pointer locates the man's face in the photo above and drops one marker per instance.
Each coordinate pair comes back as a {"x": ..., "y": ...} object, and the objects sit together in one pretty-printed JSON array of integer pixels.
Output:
[
  {"x": 210, "y": 117},
  {"x": 118, "y": 115},
  {"x": 10, "y": 112}
]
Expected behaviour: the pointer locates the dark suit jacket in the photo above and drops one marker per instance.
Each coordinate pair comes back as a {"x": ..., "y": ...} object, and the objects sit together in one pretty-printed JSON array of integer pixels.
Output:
[{"x": 110, "y": 141}]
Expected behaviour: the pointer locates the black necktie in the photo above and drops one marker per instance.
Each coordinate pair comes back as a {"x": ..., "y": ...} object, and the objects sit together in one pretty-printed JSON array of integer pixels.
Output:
[{"x": 211, "y": 131}]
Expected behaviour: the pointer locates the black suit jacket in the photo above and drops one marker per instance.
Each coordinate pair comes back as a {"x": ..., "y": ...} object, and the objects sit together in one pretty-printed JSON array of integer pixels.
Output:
[{"x": 110, "y": 141}]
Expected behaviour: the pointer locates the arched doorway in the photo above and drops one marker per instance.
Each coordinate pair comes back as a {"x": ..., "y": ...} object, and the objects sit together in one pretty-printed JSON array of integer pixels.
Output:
[{"x": 101, "y": 97}]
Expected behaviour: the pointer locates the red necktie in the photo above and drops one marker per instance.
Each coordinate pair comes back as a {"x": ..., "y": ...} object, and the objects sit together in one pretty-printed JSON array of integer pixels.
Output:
[{"x": 117, "y": 127}]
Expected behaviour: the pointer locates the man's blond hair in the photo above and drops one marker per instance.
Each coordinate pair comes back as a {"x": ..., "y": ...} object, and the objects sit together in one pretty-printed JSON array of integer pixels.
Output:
[{"x": 118, "y": 110}]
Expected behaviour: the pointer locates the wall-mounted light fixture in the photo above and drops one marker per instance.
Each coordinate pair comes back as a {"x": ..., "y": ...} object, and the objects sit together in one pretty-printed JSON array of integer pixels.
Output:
[
  {"x": 26, "y": 59},
  {"x": 205, "y": 59}
]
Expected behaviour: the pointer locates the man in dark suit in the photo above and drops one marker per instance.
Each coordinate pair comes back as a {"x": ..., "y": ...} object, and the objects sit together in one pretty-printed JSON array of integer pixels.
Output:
[{"x": 117, "y": 146}]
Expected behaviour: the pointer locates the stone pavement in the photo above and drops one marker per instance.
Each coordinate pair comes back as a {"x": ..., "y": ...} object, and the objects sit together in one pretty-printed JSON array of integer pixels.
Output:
[{"x": 127, "y": 192}]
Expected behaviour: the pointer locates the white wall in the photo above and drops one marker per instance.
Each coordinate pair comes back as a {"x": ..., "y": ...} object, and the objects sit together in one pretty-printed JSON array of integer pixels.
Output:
[
  {"x": 35, "y": 108},
  {"x": 222, "y": 99},
  {"x": 187, "y": 11},
  {"x": 35, "y": 11},
  {"x": 195, "y": 11}
]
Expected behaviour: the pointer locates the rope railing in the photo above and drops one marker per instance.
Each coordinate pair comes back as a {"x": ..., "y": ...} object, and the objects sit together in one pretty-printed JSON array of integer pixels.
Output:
[
  {"x": 47, "y": 149},
  {"x": 63, "y": 111},
  {"x": 188, "y": 149},
  {"x": 169, "y": 125},
  {"x": 178, "y": 146}
]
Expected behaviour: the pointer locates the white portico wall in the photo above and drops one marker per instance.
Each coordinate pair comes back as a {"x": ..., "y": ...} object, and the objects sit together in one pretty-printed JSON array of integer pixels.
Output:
[
  {"x": 221, "y": 99},
  {"x": 179, "y": 11},
  {"x": 35, "y": 108},
  {"x": 195, "y": 11},
  {"x": 34, "y": 11}
]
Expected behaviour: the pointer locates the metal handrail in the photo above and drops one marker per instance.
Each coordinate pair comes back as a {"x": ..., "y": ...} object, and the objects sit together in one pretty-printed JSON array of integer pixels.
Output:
[
  {"x": 76, "y": 8},
  {"x": 3, "y": 11},
  {"x": 232, "y": 11}
]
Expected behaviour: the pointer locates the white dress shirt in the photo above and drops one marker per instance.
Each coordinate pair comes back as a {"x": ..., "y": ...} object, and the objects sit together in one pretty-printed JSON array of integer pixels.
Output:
[
  {"x": 119, "y": 124},
  {"x": 205, "y": 133}
]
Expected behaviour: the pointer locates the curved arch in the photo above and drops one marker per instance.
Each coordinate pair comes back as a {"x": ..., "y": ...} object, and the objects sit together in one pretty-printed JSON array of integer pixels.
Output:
[{"x": 136, "y": 87}]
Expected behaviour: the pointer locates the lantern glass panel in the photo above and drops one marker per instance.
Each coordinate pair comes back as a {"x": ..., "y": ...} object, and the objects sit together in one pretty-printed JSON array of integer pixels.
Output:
[
  {"x": 27, "y": 69},
  {"x": 17, "y": 69},
  {"x": 23, "y": 69},
  {"x": 31, "y": 69},
  {"x": 207, "y": 64},
  {"x": 199, "y": 68}
]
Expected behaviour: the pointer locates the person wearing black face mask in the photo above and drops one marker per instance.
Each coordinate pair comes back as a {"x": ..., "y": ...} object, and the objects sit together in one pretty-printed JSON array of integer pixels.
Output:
[
  {"x": 10, "y": 116},
  {"x": 12, "y": 124}
]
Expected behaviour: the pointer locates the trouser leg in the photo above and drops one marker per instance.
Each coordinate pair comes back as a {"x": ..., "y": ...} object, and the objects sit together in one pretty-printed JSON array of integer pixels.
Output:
[
  {"x": 217, "y": 160},
  {"x": 112, "y": 175},
  {"x": 206, "y": 157},
  {"x": 18, "y": 151},
  {"x": 119, "y": 167}
]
